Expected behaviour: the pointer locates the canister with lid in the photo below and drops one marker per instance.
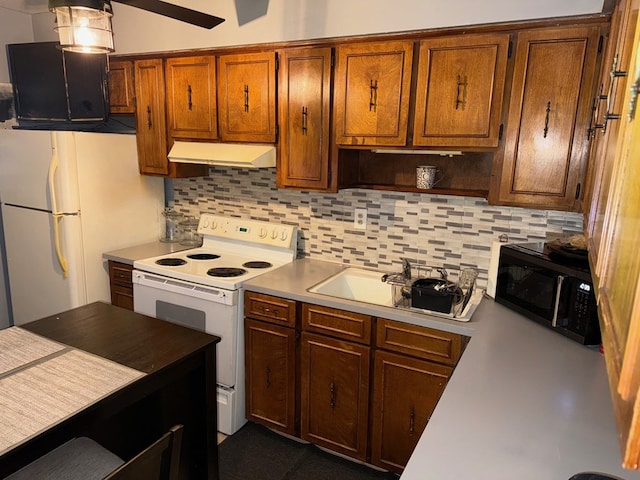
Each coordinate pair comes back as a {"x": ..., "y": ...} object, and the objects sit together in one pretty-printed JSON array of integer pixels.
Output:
[{"x": 171, "y": 225}]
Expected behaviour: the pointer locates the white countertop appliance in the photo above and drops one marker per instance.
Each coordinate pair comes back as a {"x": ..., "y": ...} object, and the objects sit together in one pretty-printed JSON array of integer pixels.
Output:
[
  {"x": 67, "y": 197},
  {"x": 202, "y": 288}
]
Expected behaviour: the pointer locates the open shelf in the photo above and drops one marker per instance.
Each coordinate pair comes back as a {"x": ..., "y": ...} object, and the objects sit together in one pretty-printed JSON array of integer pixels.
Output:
[{"x": 468, "y": 174}]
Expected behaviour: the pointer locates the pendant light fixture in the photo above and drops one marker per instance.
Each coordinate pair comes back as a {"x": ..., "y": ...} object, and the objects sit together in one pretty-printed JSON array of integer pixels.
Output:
[{"x": 84, "y": 25}]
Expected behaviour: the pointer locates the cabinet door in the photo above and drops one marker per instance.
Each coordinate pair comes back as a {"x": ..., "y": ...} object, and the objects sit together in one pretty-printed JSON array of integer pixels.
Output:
[
  {"x": 405, "y": 393},
  {"x": 606, "y": 121},
  {"x": 150, "y": 117},
  {"x": 121, "y": 99},
  {"x": 191, "y": 97},
  {"x": 373, "y": 81},
  {"x": 335, "y": 394},
  {"x": 270, "y": 359},
  {"x": 545, "y": 147},
  {"x": 618, "y": 270},
  {"x": 247, "y": 97},
  {"x": 304, "y": 108},
  {"x": 459, "y": 90}
]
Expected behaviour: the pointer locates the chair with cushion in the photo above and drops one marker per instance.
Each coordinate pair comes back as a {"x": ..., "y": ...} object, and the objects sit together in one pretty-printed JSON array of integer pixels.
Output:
[{"x": 85, "y": 459}]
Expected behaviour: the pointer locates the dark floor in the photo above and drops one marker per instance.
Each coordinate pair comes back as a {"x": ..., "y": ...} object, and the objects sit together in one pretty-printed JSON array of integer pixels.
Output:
[{"x": 257, "y": 453}]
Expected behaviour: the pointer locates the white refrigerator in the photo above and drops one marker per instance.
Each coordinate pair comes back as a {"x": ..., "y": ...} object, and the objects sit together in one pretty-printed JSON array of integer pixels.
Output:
[{"x": 66, "y": 198}]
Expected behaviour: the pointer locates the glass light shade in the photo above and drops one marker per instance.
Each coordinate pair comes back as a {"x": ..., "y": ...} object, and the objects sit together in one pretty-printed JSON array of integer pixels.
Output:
[{"x": 84, "y": 30}]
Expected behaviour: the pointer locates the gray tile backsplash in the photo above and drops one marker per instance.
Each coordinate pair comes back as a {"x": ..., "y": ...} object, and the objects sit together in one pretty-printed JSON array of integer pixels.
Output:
[{"x": 439, "y": 230}]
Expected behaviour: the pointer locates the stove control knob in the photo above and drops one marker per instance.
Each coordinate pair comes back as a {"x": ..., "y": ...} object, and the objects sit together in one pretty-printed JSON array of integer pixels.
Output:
[
  {"x": 214, "y": 225},
  {"x": 274, "y": 234},
  {"x": 263, "y": 233},
  {"x": 283, "y": 235},
  {"x": 205, "y": 223}
]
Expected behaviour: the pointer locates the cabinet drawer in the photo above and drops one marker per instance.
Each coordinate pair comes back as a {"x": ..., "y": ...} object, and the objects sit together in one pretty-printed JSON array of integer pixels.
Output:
[
  {"x": 270, "y": 309},
  {"x": 122, "y": 296},
  {"x": 120, "y": 274},
  {"x": 337, "y": 323},
  {"x": 421, "y": 342}
]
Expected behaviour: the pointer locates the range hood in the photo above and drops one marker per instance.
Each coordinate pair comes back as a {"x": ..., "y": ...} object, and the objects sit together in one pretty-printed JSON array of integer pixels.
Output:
[{"x": 224, "y": 154}]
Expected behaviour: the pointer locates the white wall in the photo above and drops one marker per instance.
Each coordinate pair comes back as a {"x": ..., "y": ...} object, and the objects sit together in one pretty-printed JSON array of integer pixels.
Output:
[
  {"x": 139, "y": 31},
  {"x": 15, "y": 27}
]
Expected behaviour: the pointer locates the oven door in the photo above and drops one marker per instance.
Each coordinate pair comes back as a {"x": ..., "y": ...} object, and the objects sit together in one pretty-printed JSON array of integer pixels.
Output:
[
  {"x": 211, "y": 310},
  {"x": 533, "y": 287}
]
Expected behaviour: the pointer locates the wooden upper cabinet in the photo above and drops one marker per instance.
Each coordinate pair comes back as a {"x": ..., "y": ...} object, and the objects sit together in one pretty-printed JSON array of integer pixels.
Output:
[
  {"x": 121, "y": 89},
  {"x": 150, "y": 117},
  {"x": 459, "y": 90},
  {"x": 545, "y": 149},
  {"x": 372, "y": 84},
  {"x": 606, "y": 121},
  {"x": 247, "y": 97},
  {"x": 617, "y": 271},
  {"x": 304, "y": 101},
  {"x": 191, "y": 97}
]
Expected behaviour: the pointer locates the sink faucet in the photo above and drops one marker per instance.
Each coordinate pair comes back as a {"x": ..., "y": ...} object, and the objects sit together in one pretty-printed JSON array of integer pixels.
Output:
[{"x": 406, "y": 268}]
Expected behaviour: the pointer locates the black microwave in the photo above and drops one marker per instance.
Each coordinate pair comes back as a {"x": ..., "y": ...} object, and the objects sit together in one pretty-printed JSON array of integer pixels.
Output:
[{"x": 555, "y": 293}]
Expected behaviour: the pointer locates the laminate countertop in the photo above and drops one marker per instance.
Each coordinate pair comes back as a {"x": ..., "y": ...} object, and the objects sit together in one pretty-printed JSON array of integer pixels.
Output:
[
  {"x": 523, "y": 403},
  {"x": 146, "y": 250}
]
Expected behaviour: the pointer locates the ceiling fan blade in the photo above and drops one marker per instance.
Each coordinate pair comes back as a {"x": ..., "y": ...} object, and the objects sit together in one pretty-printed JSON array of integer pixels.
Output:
[{"x": 174, "y": 11}]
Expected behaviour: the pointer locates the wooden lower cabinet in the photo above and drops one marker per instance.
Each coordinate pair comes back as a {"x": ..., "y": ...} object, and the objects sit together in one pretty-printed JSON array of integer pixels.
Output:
[
  {"x": 361, "y": 386},
  {"x": 405, "y": 393},
  {"x": 121, "y": 284},
  {"x": 335, "y": 394},
  {"x": 271, "y": 375}
]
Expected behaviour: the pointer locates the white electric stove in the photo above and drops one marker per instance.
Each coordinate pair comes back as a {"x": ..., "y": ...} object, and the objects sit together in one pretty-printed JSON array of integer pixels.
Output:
[{"x": 202, "y": 288}]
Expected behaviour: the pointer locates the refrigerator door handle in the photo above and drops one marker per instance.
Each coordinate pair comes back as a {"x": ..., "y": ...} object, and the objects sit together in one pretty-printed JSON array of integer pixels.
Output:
[{"x": 53, "y": 166}]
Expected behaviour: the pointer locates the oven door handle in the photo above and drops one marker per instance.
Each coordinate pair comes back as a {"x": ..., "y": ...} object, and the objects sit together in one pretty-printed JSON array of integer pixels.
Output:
[
  {"x": 151, "y": 280},
  {"x": 559, "y": 282}
]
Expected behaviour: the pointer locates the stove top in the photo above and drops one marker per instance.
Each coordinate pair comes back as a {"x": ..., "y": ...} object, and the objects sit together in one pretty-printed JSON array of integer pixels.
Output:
[{"x": 233, "y": 251}]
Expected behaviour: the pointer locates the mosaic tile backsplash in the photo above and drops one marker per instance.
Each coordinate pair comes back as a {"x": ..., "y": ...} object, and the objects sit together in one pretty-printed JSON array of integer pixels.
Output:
[{"x": 434, "y": 230}]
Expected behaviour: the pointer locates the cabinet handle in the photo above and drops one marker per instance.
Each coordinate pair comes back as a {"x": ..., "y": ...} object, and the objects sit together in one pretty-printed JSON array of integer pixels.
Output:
[
  {"x": 332, "y": 396},
  {"x": 412, "y": 420},
  {"x": 546, "y": 120},
  {"x": 373, "y": 95},
  {"x": 595, "y": 113},
  {"x": 246, "y": 98},
  {"x": 304, "y": 120},
  {"x": 268, "y": 377},
  {"x": 614, "y": 74},
  {"x": 149, "y": 124},
  {"x": 189, "y": 97},
  {"x": 461, "y": 89},
  {"x": 633, "y": 101}
]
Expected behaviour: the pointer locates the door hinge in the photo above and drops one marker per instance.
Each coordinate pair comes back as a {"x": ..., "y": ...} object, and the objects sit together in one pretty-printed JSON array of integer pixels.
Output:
[
  {"x": 578, "y": 188},
  {"x": 510, "y": 49},
  {"x": 600, "y": 43},
  {"x": 277, "y": 62},
  {"x": 277, "y": 132},
  {"x": 333, "y": 59},
  {"x": 500, "y": 131}
]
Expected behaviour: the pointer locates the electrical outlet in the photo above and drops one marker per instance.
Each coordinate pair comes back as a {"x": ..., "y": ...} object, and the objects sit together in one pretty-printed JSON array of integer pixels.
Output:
[{"x": 360, "y": 219}]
